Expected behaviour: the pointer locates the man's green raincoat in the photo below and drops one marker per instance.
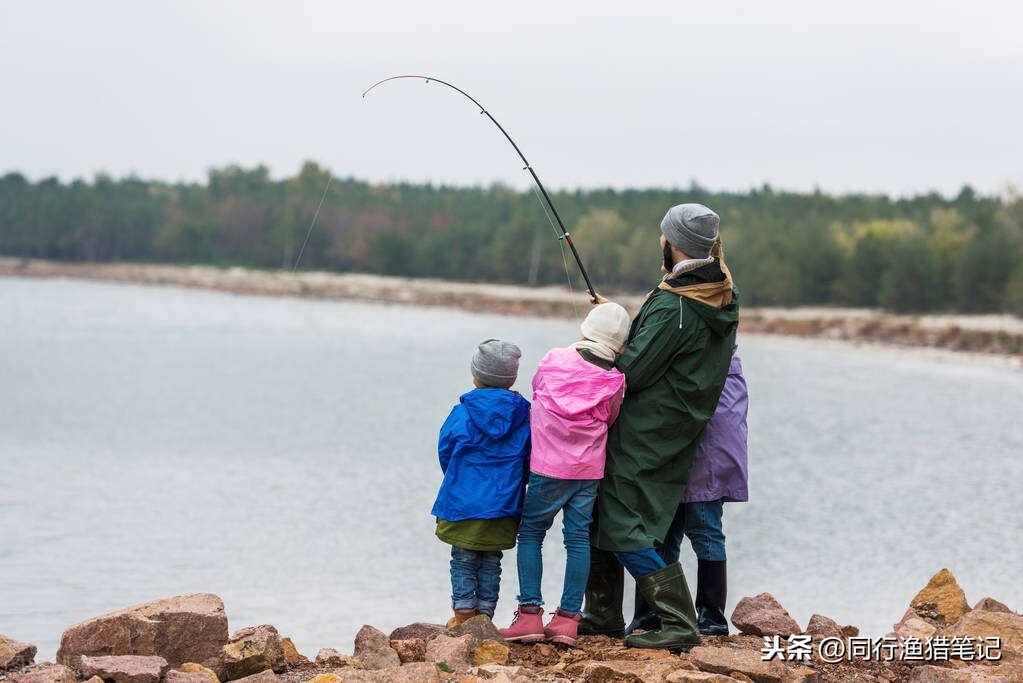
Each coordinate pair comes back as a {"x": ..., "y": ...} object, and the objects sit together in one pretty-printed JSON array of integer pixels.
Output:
[{"x": 675, "y": 364}]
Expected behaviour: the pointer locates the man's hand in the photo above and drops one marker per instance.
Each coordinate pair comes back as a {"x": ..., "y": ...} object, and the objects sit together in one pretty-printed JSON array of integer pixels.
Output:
[{"x": 595, "y": 298}]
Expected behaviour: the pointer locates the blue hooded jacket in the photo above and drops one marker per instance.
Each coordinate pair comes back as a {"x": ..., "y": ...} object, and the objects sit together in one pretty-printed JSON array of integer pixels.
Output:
[{"x": 484, "y": 454}]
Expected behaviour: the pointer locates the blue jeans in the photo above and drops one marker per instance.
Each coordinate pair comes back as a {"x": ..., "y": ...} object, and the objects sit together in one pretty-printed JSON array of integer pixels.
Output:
[
  {"x": 475, "y": 579},
  {"x": 640, "y": 562},
  {"x": 701, "y": 522},
  {"x": 545, "y": 497}
]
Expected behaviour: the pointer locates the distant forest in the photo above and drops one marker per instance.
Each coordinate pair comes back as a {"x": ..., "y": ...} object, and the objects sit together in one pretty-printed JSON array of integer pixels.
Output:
[{"x": 921, "y": 254}]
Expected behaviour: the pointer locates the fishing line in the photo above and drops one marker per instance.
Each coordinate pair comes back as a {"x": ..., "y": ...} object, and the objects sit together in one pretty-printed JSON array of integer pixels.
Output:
[
  {"x": 565, "y": 236},
  {"x": 564, "y": 257},
  {"x": 330, "y": 178}
]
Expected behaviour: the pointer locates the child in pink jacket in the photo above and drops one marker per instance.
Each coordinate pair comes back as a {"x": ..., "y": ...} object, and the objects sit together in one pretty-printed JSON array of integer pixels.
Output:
[{"x": 577, "y": 393}]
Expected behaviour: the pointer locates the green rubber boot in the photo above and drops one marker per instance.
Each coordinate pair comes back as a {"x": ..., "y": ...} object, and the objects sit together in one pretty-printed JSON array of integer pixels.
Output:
[
  {"x": 667, "y": 593},
  {"x": 602, "y": 609}
]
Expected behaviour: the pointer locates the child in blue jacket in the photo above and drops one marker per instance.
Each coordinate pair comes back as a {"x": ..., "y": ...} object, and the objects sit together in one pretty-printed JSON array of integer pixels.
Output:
[{"x": 484, "y": 454}]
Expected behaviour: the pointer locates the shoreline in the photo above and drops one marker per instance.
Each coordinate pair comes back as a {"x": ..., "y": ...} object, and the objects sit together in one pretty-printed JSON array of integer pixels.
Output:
[
  {"x": 984, "y": 337},
  {"x": 185, "y": 639}
]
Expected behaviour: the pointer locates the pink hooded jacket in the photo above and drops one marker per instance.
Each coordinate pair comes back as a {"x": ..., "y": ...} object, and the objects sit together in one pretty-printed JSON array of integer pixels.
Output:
[{"x": 574, "y": 403}]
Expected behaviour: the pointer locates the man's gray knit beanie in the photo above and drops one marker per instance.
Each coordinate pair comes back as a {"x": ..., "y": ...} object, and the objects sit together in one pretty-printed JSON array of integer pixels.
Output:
[
  {"x": 691, "y": 228},
  {"x": 496, "y": 363}
]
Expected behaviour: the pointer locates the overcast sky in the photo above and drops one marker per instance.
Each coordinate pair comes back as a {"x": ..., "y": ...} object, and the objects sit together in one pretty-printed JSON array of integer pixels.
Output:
[{"x": 892, "y": 97}]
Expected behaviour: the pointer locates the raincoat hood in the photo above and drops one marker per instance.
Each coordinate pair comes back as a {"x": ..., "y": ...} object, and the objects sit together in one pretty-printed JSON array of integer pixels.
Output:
[
  {"x": 710, "y": 293},
  {"x": 569, "y": 386},
  {"x": 495, "y": 412}
]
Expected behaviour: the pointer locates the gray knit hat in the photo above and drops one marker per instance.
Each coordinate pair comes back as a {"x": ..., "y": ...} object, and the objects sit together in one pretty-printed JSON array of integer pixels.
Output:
[
  {"x": 691, "y": 228},
  {"x": 496, "y": 363}
]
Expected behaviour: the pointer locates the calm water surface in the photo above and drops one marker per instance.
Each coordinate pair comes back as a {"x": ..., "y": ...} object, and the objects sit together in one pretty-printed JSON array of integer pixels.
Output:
[{"x": 281, "y": 454}]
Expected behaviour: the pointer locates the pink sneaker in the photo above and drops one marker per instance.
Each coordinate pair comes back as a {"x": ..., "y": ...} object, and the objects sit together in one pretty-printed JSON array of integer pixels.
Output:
[
  {"x": 527, "y": 627},
  {"x": 563, "y": 627}
]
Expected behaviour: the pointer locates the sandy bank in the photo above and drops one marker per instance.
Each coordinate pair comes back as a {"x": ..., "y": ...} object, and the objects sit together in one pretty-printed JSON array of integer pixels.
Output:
[{"x": 992, "y": 335}]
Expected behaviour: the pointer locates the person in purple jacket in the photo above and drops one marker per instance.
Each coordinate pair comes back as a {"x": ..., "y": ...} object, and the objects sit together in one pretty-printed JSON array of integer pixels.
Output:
[
  {"x": 719, "y": 475},
  {"x": 577, "y": 394}
]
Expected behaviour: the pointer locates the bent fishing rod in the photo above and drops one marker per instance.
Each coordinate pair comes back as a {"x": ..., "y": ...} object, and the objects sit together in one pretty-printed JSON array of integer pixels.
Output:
[{"x": 528, "y": 167}]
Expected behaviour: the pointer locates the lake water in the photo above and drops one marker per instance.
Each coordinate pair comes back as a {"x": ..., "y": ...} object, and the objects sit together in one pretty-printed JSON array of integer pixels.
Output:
[{"x": 281, "y": 454}]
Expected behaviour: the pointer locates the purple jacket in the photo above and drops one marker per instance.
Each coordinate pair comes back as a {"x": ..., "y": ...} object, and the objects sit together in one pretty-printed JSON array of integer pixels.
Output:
[{"x": 719, "y": 469}]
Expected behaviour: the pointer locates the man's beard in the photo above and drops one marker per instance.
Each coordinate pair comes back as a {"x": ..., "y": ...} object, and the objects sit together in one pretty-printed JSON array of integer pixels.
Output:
[{"x": 668, "y": 262}]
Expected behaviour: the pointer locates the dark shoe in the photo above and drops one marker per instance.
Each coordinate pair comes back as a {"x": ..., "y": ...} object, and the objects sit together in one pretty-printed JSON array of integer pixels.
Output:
[
  {"x": 602, "y": 609},
  {"x": 667, "y": 593},
  {"x": 643, "y": 619},
  {"x": 711, "y": 590}
]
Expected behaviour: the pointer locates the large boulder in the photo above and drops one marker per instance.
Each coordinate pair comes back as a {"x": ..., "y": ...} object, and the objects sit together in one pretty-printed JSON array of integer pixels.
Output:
[
  {"x": 749, "y": 663},
  {"x": 941, "y": 602},
  {"x": 970, "y": 674},
  {"x": 821, "y": 627},
  {"x": 179, "y": 629},
  {"x": 417, "y": 630},
  {"x": 373, "y": 649},
  {"x": 252, "y": 650},
  {"x": 480, "y": 627},
  {"x": 45, "y": 673},
  {"x": 629, "y": 671},
  {"x": 123, "y": 668},
  {"x": 451, "y": 653},
  {"x": 762, "y": 615},
  {"x": 999, "y": 631},
  {"x": 15, "y": 654}
]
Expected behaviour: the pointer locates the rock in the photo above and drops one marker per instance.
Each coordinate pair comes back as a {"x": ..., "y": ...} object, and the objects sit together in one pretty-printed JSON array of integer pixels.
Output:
[
  {"x": 326, "y": 678},
  {"x": 913, "y": 626},
  {"x": 821, "y": 627},
  {"x": 15, "y": 654},
  {"x": 265, "y": 676},
  {"x": 178, "y": 676},
  {"x": 762, "y": 615},
  {"x": 480, "y": 627},
  {"x": 629, "y": 671},
  {"x": 179, "y": 629},
  {"x": 850, "y": 631},
  {"x": 725, "y": 660},
  {"x": 941, "y": 601},
  {"x": 291, "y": 654},
  {"x": 410, "y": 649},
  {"x": 981, "y": 625},
  {"x": 373, "y": 649},
  {"x": 417, "y": 672},
  {"x": 991, "y": 605},
  {"x": 417, "y": 630},
  {"x": 123, "y": 668},
  {"x": 491, "y": 670},
  {"x": 193, "y": 668},
  {"x": 252, "y": 650},
  {"x": 939, "y": 674},
  {"x": 45, "y": 673},
  {"x": 454, "y": 653},
  {"x": 328, "y": 657},
  {"x": 490, "y": 652},
  {"x": 684, "y": 676}
]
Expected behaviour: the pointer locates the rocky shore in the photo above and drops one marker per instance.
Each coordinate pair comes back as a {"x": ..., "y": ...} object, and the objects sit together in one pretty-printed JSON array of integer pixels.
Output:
[
  {"x": 992, "y": 335},
  {"x": 185, "y": 639}
]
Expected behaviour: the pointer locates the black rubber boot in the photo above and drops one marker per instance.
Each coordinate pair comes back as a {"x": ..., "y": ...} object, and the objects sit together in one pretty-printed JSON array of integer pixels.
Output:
[
  {"x": 602, "y": 609},
  {"x": 668, "y": 594},
  {"x": 643, "y": 618},
  {"x": 711, "y": 592}
]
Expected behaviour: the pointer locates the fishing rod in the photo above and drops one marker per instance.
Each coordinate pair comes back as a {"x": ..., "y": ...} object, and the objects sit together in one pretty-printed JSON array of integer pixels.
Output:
[{"x": 564, "y": 233}]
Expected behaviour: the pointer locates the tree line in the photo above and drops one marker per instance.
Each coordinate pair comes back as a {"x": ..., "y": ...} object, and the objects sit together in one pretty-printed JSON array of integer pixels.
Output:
[{"x": 925, "y": 253}]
